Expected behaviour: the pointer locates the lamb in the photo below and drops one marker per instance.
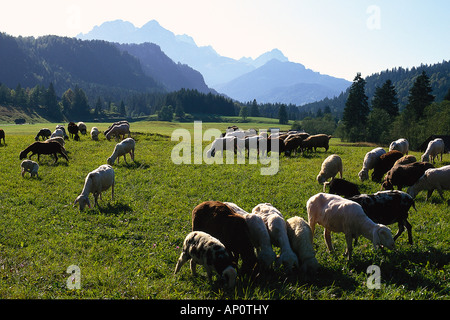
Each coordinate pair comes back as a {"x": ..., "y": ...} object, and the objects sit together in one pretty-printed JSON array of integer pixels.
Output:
[
  {"x": 31, "y": 167},
  {"x": 276, "y": 225},
  {"x": 342, "y": 187},
  {"x": 221, "y": 144},
  {"x": 433, "y": 179},
  {"x": 401, "y": 145},
  {"x": 82, "y": 128},
  {"x": 97, "y": 181},
  {"x": 388, "y": 207},
  {"x": 202, "y": 248},
  {"x": 118, "y": 130},
  {"x": 122, "y": 149},
  {"x": 46, "y": 147},
  {"x": 217, "y": 219},
  {"x": 45, "y": 133},
  {"x": 259, "y": 236},
  {"x": 301, "y": 241},
  {"x": 94, "y": 133},
  {"x": 405, "y": 175},
  {"x": 384, "y": 164},
  {"x": 370, "y": 159},
  {"x": 337, "y": 214},
  {"x": 435, "y": 147},
  {"x": 316, "y": 141},
  {"x": 331, "y": 166}
]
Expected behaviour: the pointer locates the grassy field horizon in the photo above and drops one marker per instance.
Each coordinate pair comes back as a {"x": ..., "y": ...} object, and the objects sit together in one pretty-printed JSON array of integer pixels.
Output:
[{"x": 127, "y": 248}]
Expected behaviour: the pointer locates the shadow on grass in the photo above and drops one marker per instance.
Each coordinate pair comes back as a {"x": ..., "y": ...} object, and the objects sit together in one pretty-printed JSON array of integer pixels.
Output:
[{"x": 115, "y": 208}]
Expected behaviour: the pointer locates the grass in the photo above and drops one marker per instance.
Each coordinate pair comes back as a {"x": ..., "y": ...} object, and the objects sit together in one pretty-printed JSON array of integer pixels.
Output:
[{"x": 127, "y": 247}]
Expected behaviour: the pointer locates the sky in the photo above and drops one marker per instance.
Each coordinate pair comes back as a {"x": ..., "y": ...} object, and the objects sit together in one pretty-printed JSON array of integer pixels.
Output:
[{"x": 335, "y": 37}]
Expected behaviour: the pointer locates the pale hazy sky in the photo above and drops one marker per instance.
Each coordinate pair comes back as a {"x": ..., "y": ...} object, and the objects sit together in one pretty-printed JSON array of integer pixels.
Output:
[{"x": 335, "y": 37}]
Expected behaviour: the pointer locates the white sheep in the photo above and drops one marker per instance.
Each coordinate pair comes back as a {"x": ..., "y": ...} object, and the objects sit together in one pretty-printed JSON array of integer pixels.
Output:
[
  {"x": 401, "y": 145},
  {"x": 94, "y": 133},
  {"x": 435, "y": 147},
  {"x": 203, "y": 249},
  {"x": 370, "y": 159},
  {"x": 337, "y": 214},
  {"x": 331, "y": 166},
  {"x": 82, "y": 127},
  {"x": 301, "y": 240},
  {"x": 57, "y": 133},
  {"x": 118, "y": 130},
  {"x": 259, "y": 235},
  {"x": 433, "y": 179},
  {"x": 276, "y": 225},
  {"x": 97, "y": 181},
  {"x": 122, "y": 149},
  {"x": 222, "y": 144},
  {"x": 30, "y": 166}
]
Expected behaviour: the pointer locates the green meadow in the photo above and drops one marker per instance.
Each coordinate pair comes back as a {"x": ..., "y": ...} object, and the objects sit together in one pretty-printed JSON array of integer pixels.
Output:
[{"x": 127, "y": 248}]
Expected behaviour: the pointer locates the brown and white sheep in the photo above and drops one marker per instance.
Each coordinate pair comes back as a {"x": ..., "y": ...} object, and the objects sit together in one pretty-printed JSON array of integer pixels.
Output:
[
  {"x": 217, "y": 219},
  {"x": 384, "y": 163},
  {"x": 405, "y": 175}
]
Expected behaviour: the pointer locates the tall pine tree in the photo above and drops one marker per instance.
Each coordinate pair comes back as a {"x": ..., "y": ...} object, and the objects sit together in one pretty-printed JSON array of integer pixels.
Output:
[
  {"x": 356, "y": 111},
  {"x": 419, "y": 97},
  {"x": 385, "y": 98}
]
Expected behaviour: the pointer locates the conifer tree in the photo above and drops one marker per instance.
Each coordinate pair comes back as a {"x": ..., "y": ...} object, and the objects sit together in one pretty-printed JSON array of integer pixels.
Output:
[
  {"x": 419, "y": 97},
  {"x": 385, "y": 98},
  {"x": 356, "y": 110}
]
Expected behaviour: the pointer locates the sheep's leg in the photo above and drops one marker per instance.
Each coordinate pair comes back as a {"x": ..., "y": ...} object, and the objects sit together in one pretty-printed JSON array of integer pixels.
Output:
[
  {"x": 401, "y": 228},
  {"x": 327, "y": 236},
  {"x": 112, "y": 192},
  {"x": 409, "y": 230},
  {"x": 430, "y": 192},
  {"x": 441, "y": 193},
  {"x": 56, "y": 157},
  {"x": 193, "y": 267},
  {"x": 348, "y": 251},
  {"x": 181, "y": 260}
]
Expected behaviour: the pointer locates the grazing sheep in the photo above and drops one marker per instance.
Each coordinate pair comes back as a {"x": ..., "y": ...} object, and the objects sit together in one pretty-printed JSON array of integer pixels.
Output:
[
  {"x": 94, "y": 133},
  {"x": 122, "y": 149},
  {"x": 118, "y": 130},
  {"x": 301, "y": 240},
  {"x": 217, "y": 219},
  {"x": 276, "y": 225},
  {"x": 2, "y": 136},
  {"x": 97, "y": 181},
  {"x": 316, "y": 141},
  {"x": 259, "y": 236},
  {"x": 46, "y": 147},
  {"x": 73, "y": 129},
  {"x": 115, "y": 124},
  {"x": 384, "y": 164},
  {"x": 435, "y": 147},
  {"x": 31, "y": 167},
  {"x": 405, "y": 175},
  {"x": 401, "y": 145},
  {"x": 57, "y": 133},
  {"x": 44, "y": 133},
  {"x": 82, "y": 128},
  {"x": 433, "y": 179},
  {"x": 388, "y": 207},
  {"x": 61, "y": 127},
  {"x": 337, "y": 214},
  {"x": 341, "y": 187},
  {"x": 221, "y": 144},
  {"x": 370, "y": 159},
  {"x": 203, "y": 249},
  {"x": 266, "y": 145},
  {"x": 294, "y": 142},
  {"x": 331, "y": 166}
]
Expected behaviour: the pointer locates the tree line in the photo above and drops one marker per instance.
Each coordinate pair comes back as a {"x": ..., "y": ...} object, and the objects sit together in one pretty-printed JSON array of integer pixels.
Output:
[{"x": 381, "y": 120}]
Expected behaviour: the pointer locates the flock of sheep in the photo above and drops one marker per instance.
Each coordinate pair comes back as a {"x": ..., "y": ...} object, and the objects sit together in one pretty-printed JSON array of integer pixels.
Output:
[
  {"x": 222, "y": 232},
  {"x": 98, "y": 180}
]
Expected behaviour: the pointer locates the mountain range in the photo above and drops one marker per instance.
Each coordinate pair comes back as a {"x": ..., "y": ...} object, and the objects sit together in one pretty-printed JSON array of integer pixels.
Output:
[{"x": 269, "y": 78}]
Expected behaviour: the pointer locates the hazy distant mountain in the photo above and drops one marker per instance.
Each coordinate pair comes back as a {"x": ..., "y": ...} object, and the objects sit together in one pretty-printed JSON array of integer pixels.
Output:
[
  {"x": 244, "y": 79},
  {"x": 285, "y": 82}
]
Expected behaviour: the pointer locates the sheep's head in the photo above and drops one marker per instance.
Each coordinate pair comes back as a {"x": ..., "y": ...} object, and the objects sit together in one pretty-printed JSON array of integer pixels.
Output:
[
  {"x": 266, "y": 258},
  {"x": 83, "y": 201},
  {"x": 321, "y": 179},
  {"x": 363, "y": 175},
  {"x": 110, "y": 161},
  {"x": 382, "y": 236},
  {"x": 229, "y": 277},
  {"x": 425, "y": 158},
  {"x": 23, "y": 155},
  {"x": 289, "y": 260}
]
